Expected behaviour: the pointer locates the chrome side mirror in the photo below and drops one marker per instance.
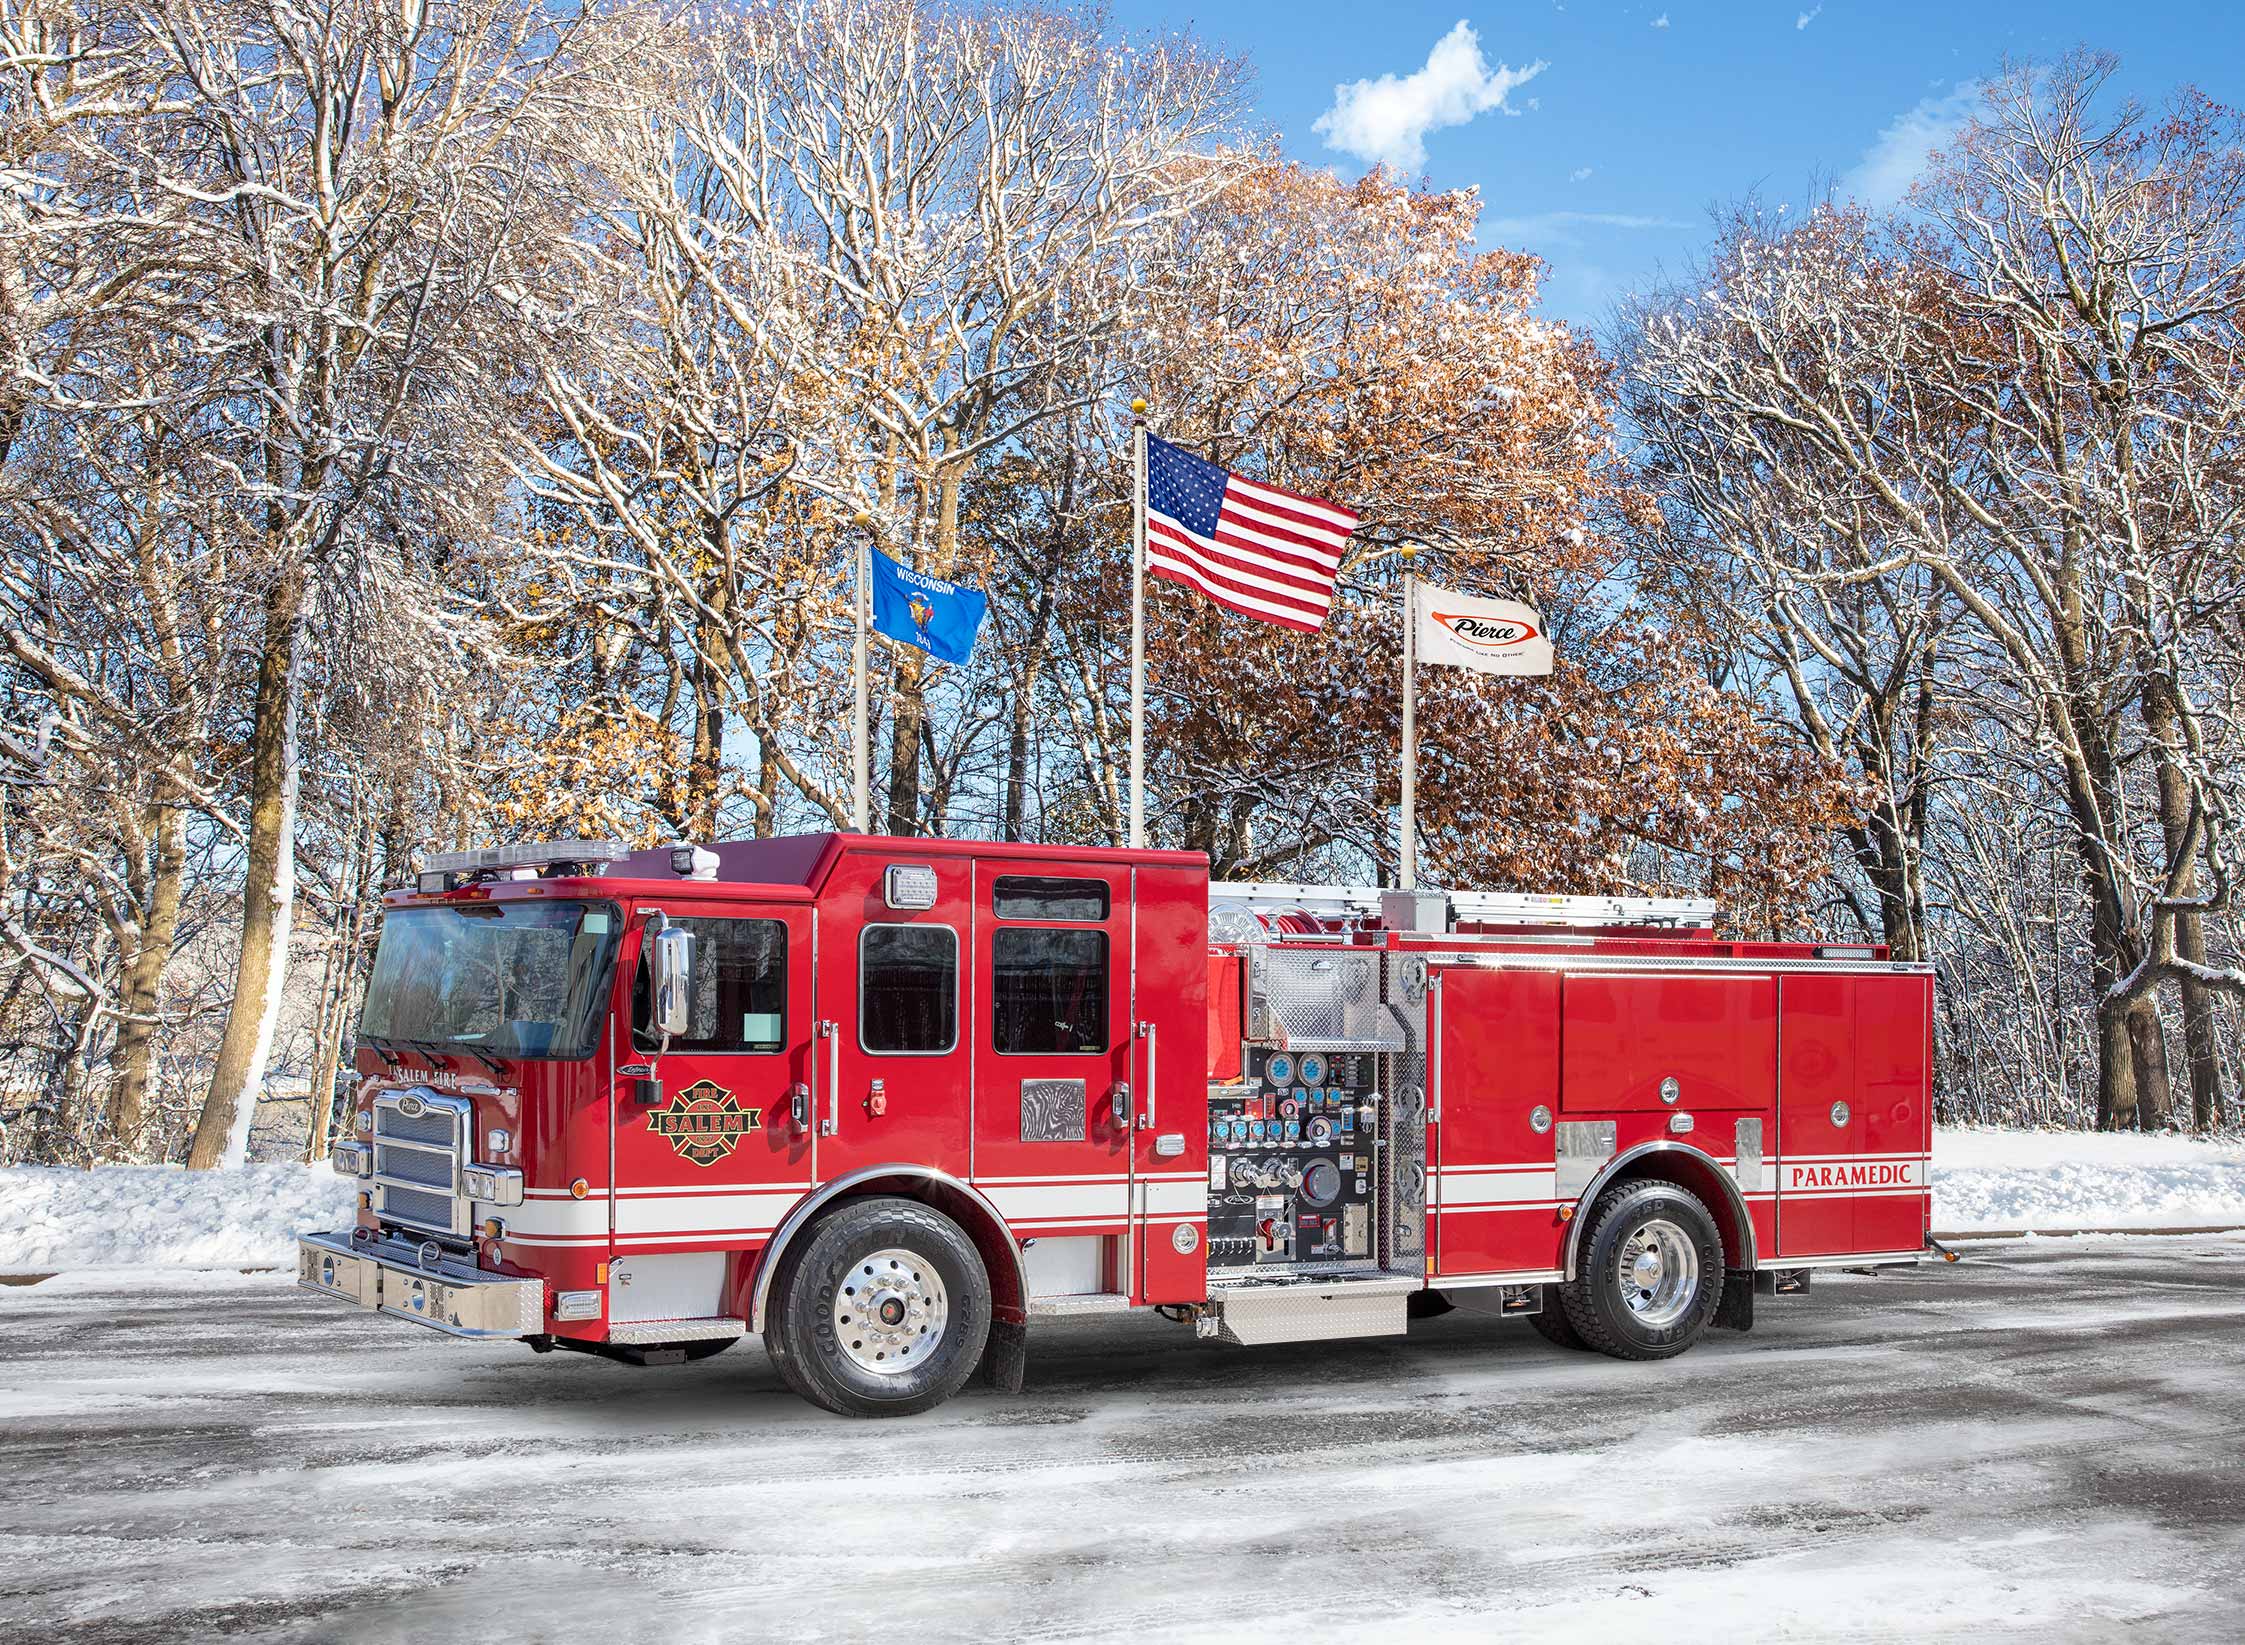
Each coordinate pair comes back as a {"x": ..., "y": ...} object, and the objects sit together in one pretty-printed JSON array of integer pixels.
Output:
[{"x": 673, "y": 966}]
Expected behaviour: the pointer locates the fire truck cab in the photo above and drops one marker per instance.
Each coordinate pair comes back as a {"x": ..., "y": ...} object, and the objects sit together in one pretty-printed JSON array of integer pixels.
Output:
[{"x": 887, "y": 1102}]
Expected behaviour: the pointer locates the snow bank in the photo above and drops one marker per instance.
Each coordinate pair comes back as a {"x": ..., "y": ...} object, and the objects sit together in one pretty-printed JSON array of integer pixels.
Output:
[
  {"x": 1987, "y": 1179},
  {"x": 131, "y": 1215}
]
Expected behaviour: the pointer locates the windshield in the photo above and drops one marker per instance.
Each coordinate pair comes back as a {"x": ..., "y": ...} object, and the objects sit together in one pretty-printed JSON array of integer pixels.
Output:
[{"x": 507, "y": 979}]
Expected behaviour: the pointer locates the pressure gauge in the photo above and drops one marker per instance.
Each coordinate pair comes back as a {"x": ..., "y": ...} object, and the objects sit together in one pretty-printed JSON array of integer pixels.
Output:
[
  {"x": 1313, "y": 1068},
  {"x": 1280, "y": 1069}
]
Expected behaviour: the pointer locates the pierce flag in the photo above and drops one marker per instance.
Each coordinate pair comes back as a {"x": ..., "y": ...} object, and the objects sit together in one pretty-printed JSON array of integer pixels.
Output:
[
  {"x": 939, "y": 617},
  {"x": 1493, "y": 636}
]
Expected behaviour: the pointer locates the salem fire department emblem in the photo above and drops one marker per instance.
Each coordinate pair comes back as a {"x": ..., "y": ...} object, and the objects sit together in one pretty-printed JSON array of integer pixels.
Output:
[{"x": 704, "y": 1122}]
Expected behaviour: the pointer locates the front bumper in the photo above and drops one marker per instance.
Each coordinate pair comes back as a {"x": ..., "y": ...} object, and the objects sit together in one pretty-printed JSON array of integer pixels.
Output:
[{"x": 449, "y": 1295}]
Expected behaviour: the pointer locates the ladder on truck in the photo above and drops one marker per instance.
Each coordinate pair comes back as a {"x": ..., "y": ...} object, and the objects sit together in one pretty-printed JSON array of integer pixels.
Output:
[{"x": 1495, "y": 908}]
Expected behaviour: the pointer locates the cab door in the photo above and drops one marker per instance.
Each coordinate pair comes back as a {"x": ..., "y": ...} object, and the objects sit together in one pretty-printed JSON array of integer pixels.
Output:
[
  {"x": 1052, "y": 1034},
  {"x": 896, "y": 998},
  {"x": 711, "y": 1154}
]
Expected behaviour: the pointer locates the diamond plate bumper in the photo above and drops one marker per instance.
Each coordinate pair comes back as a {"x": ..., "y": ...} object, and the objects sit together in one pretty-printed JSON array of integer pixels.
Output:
[{"x": 451, "y": 1296}]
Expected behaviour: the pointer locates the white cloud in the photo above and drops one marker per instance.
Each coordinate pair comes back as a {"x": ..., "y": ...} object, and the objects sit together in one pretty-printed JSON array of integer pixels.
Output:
[
  {"x": 1890, "y": 165},
  {"x": 1808, "y": 17},
  {"x": 1661, "y": 21},
  {"x": 1561, "y": 229},
  {"x": 1581, "y": 174},
  {"x": 1386, "y": 120}
]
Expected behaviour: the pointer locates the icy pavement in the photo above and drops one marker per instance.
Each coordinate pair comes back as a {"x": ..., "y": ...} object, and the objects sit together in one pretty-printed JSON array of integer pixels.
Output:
[{"x": 2039, "y": 1444}]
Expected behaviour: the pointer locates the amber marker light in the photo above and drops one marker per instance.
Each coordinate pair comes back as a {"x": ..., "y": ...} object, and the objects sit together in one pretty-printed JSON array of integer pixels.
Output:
[{"x": 579, "y": 1189}]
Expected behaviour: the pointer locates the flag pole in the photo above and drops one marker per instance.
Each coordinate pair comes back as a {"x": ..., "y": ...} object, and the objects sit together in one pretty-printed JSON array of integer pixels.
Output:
[
  {"x": 860, "y": 780},
  {"x": 1138, "y": 623},
  {"x": 1410, "y": 851}
]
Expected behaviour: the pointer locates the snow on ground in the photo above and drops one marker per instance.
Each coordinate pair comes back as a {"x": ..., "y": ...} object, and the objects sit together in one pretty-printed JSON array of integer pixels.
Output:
[
  {"x": 1988, "y": 1179},
  {"x": 119, "y": 1216},
  {"x": 130, "y": 1215}
]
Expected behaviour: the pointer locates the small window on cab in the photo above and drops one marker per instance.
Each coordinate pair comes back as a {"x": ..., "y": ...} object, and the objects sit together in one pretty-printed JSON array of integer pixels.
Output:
[
  {"x": 908, "y": 989},
  {"x": 1043, "y": 897}
]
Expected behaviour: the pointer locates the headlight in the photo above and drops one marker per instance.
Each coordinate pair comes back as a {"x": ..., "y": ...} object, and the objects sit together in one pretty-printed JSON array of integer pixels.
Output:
[
  {"x": 353, "y": 1159},
  {"x": 492, "y": 1184}
]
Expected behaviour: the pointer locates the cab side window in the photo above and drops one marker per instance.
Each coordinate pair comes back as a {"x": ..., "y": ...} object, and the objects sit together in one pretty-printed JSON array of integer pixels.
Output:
[
  {"x": 1048, "y": 987},
  {"x": 908, "y": 989},
  {"x": 740, "y": 988}
]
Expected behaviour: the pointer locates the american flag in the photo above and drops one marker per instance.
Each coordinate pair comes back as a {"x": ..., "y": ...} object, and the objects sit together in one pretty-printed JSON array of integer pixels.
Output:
[{"x": 1250, "y": 547}]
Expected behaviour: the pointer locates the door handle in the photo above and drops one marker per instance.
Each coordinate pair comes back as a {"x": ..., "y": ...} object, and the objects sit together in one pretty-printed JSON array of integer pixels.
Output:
[
  {"x": 799, "y": 1105},
  {"x": 830, "y": 1032},
  {"x": 1121, "y": 1108},
  {"x": 1146, "y": 1119}
]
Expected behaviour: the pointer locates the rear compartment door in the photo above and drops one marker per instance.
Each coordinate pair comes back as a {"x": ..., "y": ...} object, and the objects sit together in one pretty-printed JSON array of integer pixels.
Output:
[
  {"x": 1854, "y": 1120},
  {"x": 1629, "y": 1033},
  {"x": 1496, "y": 1061}
]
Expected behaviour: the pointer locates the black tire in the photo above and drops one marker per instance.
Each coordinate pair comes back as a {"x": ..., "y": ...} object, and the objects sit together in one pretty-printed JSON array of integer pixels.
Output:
[
  {"x": 1551, "y": 1321},
  {"x": 1596, "y": 1300},
  {"x": 1427, "y": 1305},
  {"x": 813, "y": 1291}
]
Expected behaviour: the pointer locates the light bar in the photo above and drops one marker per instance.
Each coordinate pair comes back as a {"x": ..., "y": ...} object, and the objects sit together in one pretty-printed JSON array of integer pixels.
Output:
[{"x": 539, "y": 854}]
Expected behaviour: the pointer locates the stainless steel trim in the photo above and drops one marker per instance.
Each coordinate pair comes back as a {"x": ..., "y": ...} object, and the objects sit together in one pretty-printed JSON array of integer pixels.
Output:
[
  {"x": 1087, "y": 1302},
  {"x": 1747, "y": 1147},
  {"x": 715, "y": 1329},
  {"x": 1874, "y": 1259},
  {"x": 1580, "y": 1149},
  {"x": 452, "y": 1295},
  {"x": 1589, "y": 1196},
  {"x": 809, "y": 1205}
]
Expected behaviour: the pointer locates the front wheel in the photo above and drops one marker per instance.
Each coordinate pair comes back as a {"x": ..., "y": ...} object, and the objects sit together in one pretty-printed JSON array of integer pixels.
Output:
[
  {"x": 1651, "y": 1273},
  {"x": 882, "y": 1310}
]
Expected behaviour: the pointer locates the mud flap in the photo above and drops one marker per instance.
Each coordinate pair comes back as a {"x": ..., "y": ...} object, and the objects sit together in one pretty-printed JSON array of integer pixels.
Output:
[
  {"x": 1735, "y": 1312},
  {"x": 1005, "y": 1358}
]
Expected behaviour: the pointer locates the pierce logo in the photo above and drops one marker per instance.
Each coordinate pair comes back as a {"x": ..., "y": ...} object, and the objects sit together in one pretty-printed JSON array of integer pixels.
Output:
[
  {"x": 704, "y": 1122},
  {"x": 1487, "y": 633}
]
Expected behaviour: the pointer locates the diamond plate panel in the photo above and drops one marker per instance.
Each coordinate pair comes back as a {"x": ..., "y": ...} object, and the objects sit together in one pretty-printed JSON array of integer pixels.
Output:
[{"x": 1053, "y": 1111}]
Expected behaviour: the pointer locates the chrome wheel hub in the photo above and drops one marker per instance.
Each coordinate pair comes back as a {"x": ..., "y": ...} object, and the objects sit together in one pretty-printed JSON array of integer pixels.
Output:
[
  {"x": 1659, "y": 1274},
  {"x": 890, "y": 1311}
]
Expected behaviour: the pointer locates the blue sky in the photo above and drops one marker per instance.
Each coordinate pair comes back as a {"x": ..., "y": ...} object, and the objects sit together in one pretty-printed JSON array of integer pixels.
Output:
[{"x": 1606, "y": 160}]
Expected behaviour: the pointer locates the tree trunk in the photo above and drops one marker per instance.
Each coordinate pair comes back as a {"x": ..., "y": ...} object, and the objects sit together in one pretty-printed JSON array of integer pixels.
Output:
[
  {"x": 134, "y": 1056},
  {"x": 2116, "y": 1075},
  {"x": 268, "y": 889},
  {"x": 2147, "y": 1044},
  {"x": 2201, "y": 1042}
]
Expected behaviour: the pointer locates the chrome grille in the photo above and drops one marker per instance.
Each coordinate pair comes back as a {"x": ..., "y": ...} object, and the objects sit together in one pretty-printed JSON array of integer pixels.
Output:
[
  {"x": 415, "y": 1165},
  {"x": 415, "y": 1205},
  {"x": 430, "y": 1125},
  {"x": 418, "y": 1157}
]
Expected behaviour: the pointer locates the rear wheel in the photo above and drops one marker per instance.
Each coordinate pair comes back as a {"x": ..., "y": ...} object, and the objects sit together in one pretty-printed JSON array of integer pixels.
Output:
[
  {"x": 881, "y": 1310},
  {"x": 1651, "y": 1272}
]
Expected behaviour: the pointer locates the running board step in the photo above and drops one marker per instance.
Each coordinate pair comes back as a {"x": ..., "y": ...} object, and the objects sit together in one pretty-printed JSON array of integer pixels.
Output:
[
  {"x": 1072, "y": 1304},
  {"x": 1257, "y": 1315},
  {"x": 641, "y": 1331}
]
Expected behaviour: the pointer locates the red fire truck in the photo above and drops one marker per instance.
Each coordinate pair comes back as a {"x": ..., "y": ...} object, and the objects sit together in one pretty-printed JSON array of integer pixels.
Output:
[{"x": 888, "y": 1102}]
